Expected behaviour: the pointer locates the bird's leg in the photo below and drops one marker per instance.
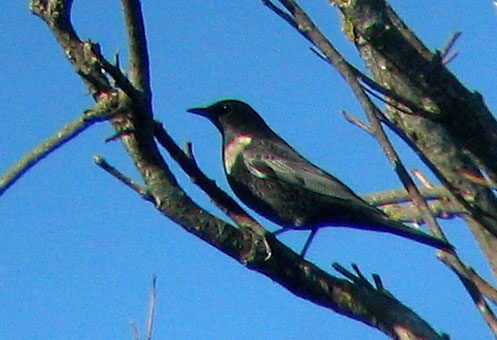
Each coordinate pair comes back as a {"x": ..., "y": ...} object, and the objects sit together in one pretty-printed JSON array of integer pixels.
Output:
[{"x": 308, "y": 242}]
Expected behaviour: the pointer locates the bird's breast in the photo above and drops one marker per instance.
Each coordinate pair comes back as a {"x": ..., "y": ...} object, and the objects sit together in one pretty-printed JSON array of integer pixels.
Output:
[{"x": 233, "y": 149}]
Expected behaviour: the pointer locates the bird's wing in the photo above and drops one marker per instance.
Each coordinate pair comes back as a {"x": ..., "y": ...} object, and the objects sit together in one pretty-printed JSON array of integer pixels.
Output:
[{"x": 296, "y": 170}]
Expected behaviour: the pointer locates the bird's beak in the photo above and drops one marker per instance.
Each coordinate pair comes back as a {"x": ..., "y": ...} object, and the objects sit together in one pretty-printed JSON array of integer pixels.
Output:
[{"x": 202, "y": 111}]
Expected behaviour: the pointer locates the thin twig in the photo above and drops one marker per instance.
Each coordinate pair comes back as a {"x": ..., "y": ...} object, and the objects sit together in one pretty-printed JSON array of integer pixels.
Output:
[
  {"x": 137, "y": 44},
  {"x": 378, "y": 282},
  {"x": 282, "y": 14},
  {"x": 359, "y": 274},
  {"x": 357, "y": 122},
  {"x": 475, "y": 291},
  {"x": 384, "y": 99},
  {"x": 402, "y": 196},
  {"x": 422, "y": 178},
  {"x": 318, "y": 54},
  {"x": 134, "y": 330},
  {"x": 358, "y": 277},
  {"x": 447, "y": 60},
  {"x": 410, "y": 213},
  {"x": 374, "y": 87},
  {"x": 189, "y": 152},
  {"x": 120, "y": 79},
  {"x": 449, "y": 45},
  {"x": 486, "y": 288},
  {"x": 479, "y": 180},
  {"x": 141, "y": 190},
  {"x": 339, "y": 268},
  {"x": 151, "y": 309},
  {"x": 103, "y": 110}
]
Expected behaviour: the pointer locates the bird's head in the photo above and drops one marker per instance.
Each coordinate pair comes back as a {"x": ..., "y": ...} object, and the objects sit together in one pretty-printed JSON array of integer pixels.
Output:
[{"x": 233, "y": 118}]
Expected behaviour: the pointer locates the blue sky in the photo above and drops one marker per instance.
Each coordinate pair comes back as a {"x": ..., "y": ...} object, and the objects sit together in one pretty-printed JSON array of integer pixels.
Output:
[{"x": 78, "y": 250}]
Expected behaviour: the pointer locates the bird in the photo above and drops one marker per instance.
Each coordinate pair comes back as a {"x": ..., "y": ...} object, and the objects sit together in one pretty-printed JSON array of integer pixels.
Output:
[{"x": 277, "y": 182}]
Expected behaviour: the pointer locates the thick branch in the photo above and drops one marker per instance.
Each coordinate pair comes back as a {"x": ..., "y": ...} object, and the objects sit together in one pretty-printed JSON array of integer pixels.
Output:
[{"x": 57, "y": 15}]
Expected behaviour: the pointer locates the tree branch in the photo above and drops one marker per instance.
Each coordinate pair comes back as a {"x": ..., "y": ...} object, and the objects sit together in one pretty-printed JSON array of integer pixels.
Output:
[
  {"x": 402, "y": 196},
  {"x": 137, "y": 42},
  {"x": 103, "y": 110},
  {"x": 142, "y": 191}
]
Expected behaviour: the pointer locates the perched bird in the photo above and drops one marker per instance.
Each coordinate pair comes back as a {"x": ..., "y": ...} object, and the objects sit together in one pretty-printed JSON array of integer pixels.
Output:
[{"x": 272, "y": 178}]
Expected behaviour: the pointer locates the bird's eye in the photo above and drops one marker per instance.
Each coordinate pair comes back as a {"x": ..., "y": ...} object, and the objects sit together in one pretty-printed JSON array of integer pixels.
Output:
[{"x": 226, "y": 107}]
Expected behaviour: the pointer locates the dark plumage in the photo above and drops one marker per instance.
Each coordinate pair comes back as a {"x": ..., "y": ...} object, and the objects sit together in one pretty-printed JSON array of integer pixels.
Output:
[{"x": 277, "y": 182}]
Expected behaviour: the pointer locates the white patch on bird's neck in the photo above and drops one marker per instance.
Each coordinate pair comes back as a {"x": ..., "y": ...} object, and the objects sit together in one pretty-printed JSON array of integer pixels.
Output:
[{"x": 233, "y": 149}]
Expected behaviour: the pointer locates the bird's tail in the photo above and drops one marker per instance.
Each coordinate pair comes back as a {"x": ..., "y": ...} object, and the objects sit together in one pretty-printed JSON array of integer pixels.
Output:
[{"x": 393, "y": 227}]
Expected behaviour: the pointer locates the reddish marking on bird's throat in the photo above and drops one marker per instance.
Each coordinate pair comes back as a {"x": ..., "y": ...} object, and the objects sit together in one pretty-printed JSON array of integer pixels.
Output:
[{"x": 233, "y": 149}]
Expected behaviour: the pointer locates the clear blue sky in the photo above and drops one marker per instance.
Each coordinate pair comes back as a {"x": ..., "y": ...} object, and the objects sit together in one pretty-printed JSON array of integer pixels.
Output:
[{"x": 78, "y": 250}]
